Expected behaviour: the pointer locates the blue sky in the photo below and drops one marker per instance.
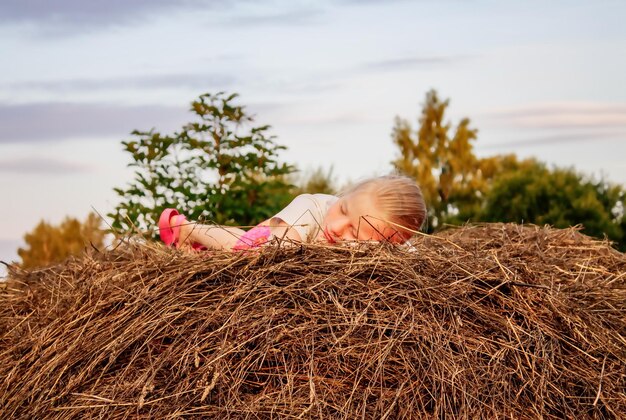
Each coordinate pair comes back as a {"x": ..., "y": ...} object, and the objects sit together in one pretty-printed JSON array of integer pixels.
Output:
[{"x": 537, "y": 78}]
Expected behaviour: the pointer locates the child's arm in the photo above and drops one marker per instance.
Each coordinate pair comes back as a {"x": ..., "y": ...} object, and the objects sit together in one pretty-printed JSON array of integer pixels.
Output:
[
  {"x": 283, "y": 230},
  {"x": 211, "y": 236}
]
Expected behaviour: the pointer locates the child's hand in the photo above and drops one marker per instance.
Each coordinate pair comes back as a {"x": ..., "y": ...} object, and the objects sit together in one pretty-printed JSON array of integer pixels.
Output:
[{"x": 282, "y": 230}]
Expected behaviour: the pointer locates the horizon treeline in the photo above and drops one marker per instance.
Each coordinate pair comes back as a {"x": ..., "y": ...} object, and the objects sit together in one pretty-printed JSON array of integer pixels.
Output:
[{"x": 222, "y": 168}]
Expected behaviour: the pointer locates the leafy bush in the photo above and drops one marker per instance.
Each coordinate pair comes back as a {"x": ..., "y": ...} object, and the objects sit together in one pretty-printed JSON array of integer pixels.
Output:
[
  {"x": 558, "y": 197},
  {"x": 218, "y": 168}
]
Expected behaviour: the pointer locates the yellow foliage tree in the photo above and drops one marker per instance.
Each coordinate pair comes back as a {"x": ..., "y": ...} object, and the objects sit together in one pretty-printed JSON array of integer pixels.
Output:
[
  {"x": 453, "y": 180},
  {"x": 48, "y": 244}
]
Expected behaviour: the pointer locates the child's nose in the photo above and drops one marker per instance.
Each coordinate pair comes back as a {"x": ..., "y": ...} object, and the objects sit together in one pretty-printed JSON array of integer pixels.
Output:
[{"x": 339, "y": 227}]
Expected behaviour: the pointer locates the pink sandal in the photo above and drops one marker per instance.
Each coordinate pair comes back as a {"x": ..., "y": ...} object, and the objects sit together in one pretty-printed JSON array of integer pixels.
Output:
[
  {"x": 169, "y": 235},
  {"x": 170, "y": 222}
]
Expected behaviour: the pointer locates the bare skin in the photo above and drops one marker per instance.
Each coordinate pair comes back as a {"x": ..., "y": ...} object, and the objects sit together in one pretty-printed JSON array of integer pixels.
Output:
[
  {"x": 225, "y": 237},
  {"x": 353, "y": 217},
  {"x": 356, "y": 217}
]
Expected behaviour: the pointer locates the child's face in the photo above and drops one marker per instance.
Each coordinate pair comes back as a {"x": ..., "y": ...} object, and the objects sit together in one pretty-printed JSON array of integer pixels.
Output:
[{"x": 355, "y": 217}]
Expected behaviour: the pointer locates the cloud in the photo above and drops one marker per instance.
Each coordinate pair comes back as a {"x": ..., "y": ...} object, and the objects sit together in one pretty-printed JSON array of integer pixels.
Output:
[
  {"x": 166, "y": 81},
  {"x": 85, "y": 14},
  {"x": 293, "y": 17},
  {"x": 546, "y": 140},
  {"x": 42, "y": 166},
  {"x": 57, "y": 121},
  {"x": 70, "y": 16},
  {"x": 331, "y": 118},
  {"x": 412, "y": 62},
  {"x": 368, "y": 2},
  {"x": 562, "y": 115}
]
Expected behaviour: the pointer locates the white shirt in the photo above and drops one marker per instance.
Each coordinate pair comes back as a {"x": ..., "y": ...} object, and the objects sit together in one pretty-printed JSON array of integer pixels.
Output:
[{"x": 305, "y": 214}]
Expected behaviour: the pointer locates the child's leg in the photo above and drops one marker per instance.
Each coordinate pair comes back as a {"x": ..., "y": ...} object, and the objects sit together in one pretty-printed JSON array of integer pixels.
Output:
[{"x": 211, "y": 236}]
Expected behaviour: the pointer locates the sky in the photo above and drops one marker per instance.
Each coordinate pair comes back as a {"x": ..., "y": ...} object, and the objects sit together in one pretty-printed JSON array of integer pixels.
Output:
[{"x": 537, "y": 78}]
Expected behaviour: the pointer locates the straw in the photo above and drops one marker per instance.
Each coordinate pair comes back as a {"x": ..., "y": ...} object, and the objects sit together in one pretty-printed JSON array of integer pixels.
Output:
[{"x": 495, "y": 321}]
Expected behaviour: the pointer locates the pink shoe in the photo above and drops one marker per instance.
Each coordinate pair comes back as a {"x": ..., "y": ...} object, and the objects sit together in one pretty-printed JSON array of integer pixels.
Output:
[
  {"x": 169, "y": 235},
  {"x": 170, "y": 222}
]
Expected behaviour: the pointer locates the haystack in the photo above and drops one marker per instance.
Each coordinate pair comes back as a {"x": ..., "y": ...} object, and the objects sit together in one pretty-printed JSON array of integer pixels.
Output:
[{"x": 481, "y": 322}]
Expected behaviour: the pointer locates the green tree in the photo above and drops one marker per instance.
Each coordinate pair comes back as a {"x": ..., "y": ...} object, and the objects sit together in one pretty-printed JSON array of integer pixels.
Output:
[
  {"x": 48, "y": 244},
  {"x": 218, "y": 168},
  {"x": 558, "y": 197}
]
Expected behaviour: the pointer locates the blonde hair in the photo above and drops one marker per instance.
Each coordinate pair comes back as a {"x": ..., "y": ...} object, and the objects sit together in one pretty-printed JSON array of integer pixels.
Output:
[{"x": 399, "y": 198}]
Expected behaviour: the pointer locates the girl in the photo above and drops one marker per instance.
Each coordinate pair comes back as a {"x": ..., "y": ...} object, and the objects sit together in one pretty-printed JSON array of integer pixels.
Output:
[{"x": 388, "y": 208}]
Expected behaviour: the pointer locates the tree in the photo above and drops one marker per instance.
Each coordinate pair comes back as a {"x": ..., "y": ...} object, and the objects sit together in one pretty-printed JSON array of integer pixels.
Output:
[
  {"x": 459, "y": 187},
  {"x": 48, "y": 244},
  {"x": 558, "y": 197},
  {"x": 218, "y": 168},
  {"x": 453, "y": 180},
  {"x": 318, "y": 181}
]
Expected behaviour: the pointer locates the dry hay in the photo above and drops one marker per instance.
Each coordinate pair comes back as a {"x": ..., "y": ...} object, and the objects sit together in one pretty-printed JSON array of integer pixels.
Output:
[{"x": 488, "y": 321}]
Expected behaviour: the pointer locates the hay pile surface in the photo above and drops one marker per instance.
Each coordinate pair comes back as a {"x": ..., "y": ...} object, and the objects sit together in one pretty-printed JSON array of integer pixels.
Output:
[{"x": 488, "y": 321}]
